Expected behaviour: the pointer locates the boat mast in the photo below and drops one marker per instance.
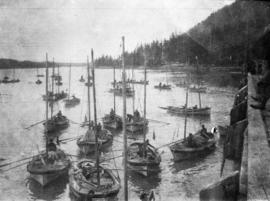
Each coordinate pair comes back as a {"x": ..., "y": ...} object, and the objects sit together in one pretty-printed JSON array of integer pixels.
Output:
[
  {"x": 144, "y": 106},
  {"x": 58, "y": 76},
  {"x": 47, "y": 105},
  {"x": 198, "y": 83},
  {"x": 133, "y": 97},
  {"x": 69, "y": 81},
  {"x": 186, "y": 107},
  {"x": 95, "y": 116},
  {"x": 114, "y": 89},
  {"x": 88, "y": 95},
  {"x": 52, "y": 90},
  {"x": 124, "y": 120}
]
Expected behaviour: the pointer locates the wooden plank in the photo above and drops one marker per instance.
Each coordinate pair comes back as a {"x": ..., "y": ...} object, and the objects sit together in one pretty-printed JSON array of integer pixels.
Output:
[{"x": 258, "y": 151}]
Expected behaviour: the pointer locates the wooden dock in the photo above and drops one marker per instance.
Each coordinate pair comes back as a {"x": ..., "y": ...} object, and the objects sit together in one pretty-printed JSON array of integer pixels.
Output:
[{"x": 258, "y": 172}]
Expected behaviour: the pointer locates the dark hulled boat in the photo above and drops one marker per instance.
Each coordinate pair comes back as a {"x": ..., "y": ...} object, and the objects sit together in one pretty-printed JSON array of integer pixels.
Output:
[
  {"x": 203, "y": 111},
  {"x": 199, "y": 146},
  {"x": 143, "y": 162}
]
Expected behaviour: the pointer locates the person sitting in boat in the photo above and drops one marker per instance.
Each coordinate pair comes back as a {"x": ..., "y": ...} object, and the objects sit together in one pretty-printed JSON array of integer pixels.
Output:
[
  {"x": 112, "y": 114},
  {"x": 205, "y": 134},
  {"x": 129, "y": 117},
  {"x": 190, "y": 140},
  {"x": 59, "y": 114},
  {"x": 195, "y": 107},
  {"x": 160, "y": 84},
  {"x": 51, "y": 146},
  {"x": 98, "y": 127},
  {"x": 137, "y": 115}
]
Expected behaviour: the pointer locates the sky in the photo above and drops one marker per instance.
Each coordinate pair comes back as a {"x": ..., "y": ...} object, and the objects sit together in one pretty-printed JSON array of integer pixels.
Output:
[{"x": 68, "y": 29}]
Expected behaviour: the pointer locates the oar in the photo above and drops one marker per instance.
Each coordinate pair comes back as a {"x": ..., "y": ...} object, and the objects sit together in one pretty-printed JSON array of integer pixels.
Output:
[
  {"x": 111, "y": 158},
  {"x": 35, "y": 124},
  {"x": 6, "y": 164},
  {"x": 15, "y": 166}
]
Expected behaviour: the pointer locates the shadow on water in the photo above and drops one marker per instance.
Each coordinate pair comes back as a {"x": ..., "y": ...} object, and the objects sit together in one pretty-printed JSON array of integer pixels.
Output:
[
  {"x": 142, "y": 183},
  {"x": 50, "y": 192}
]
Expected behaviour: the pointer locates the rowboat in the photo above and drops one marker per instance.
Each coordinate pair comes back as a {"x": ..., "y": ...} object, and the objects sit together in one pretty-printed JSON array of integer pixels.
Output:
[{"x": 203, "y": 111}]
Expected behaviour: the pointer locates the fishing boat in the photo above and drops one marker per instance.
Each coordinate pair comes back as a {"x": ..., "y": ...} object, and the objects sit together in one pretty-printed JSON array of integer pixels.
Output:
[
  {"x": 198, "y": 89},
  {"x": 112, "y": 120},
  {"x": 71, "y": 101},
  {"x": 87, "y": 179},
  {"x": 132, "y": 81},
  {"x": 118, "y": 90},
  {"x": 95, "y": 134},
  {"x": 192, "y": 146},
  {"x": 142, "y": 157},
  {"x": 136, "y": 123},
  {"x": 190, "y": 111},
  {"x": 55, "y": 122},
  {"x": 38, "y": 81},
  {"x": 51, "y": 163},
  {"x": 200, "y": 145},
  {"x": 84, "y": 182},
  {"x": 164, "y": 86}
]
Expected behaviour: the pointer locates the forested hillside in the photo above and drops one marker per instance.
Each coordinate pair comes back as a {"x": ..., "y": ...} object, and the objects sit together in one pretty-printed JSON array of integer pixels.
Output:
[{"x": 224, "y": 38}]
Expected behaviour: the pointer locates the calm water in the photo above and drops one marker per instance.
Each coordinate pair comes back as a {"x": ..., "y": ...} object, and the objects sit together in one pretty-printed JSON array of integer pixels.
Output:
[{"x": 22, "y": 105}]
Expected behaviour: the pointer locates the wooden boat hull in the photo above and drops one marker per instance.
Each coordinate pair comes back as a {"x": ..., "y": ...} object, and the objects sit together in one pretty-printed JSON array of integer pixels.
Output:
[
  {"x": 115, "y": 123},
  {"x": 189, "y": 153},
  {"x": 44, "y": 179},
  {"x": 206, "y": 111},
  {"x": 137, "y": 126},
  {"x": 198, "y": 90},
  {"x": 56, "y": 126},
  {"x": 72, "y": 102},
  {"x": 89, "y": 147},
  {"x": 144, "y": 166},
  {"x": 163, "y": 87},
  {"x": 80, "y": 187}
]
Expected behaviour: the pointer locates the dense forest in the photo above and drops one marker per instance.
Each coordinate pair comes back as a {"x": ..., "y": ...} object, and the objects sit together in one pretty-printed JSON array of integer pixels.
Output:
[{"x": 225, "y": 38}]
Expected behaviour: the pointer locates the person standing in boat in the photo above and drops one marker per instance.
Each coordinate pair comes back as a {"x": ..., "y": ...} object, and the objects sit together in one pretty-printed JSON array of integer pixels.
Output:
[{"x": 112, "y": 114}]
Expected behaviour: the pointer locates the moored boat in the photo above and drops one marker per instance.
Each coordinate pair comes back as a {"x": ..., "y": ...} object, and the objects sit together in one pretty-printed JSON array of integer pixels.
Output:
[
  {"x": 112, "y": 121},
  {"x": 47, "y": 167},
  {"x": 198, "y": 89},
  {"x": 83, "y": 181},
  {"x": 194, "y": 146},
  {"x": 57, "y": 122},
  {"x": 87, "y": 142},
  {"x": 203, "y": 111},
  {"x": 143, "y": 158},
  {"x": 163, "y": 86}
]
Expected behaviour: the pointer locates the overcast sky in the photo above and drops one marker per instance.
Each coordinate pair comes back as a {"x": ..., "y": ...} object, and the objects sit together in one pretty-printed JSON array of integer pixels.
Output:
[{"x": 68, "y": 29}]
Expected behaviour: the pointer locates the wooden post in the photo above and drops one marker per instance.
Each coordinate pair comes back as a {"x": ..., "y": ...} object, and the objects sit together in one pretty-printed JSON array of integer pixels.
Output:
[
  {"x": 124, "y": 121},
  {"x": 47, "y": 105},
  {"x": 95, "y": 116}
]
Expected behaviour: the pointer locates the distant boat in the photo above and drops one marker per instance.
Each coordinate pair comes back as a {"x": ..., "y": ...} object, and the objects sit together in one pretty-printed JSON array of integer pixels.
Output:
[
  {"x": 198, "y": 89},
  {"x": 118, "y": 90},
  {"x": 71, "y": 101},
  {"x": 203, "y": 111},
  {"x": 163, "y": 86},
  {"x": 112, "y": 120},
  {"x": 38, "y": 81}
]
